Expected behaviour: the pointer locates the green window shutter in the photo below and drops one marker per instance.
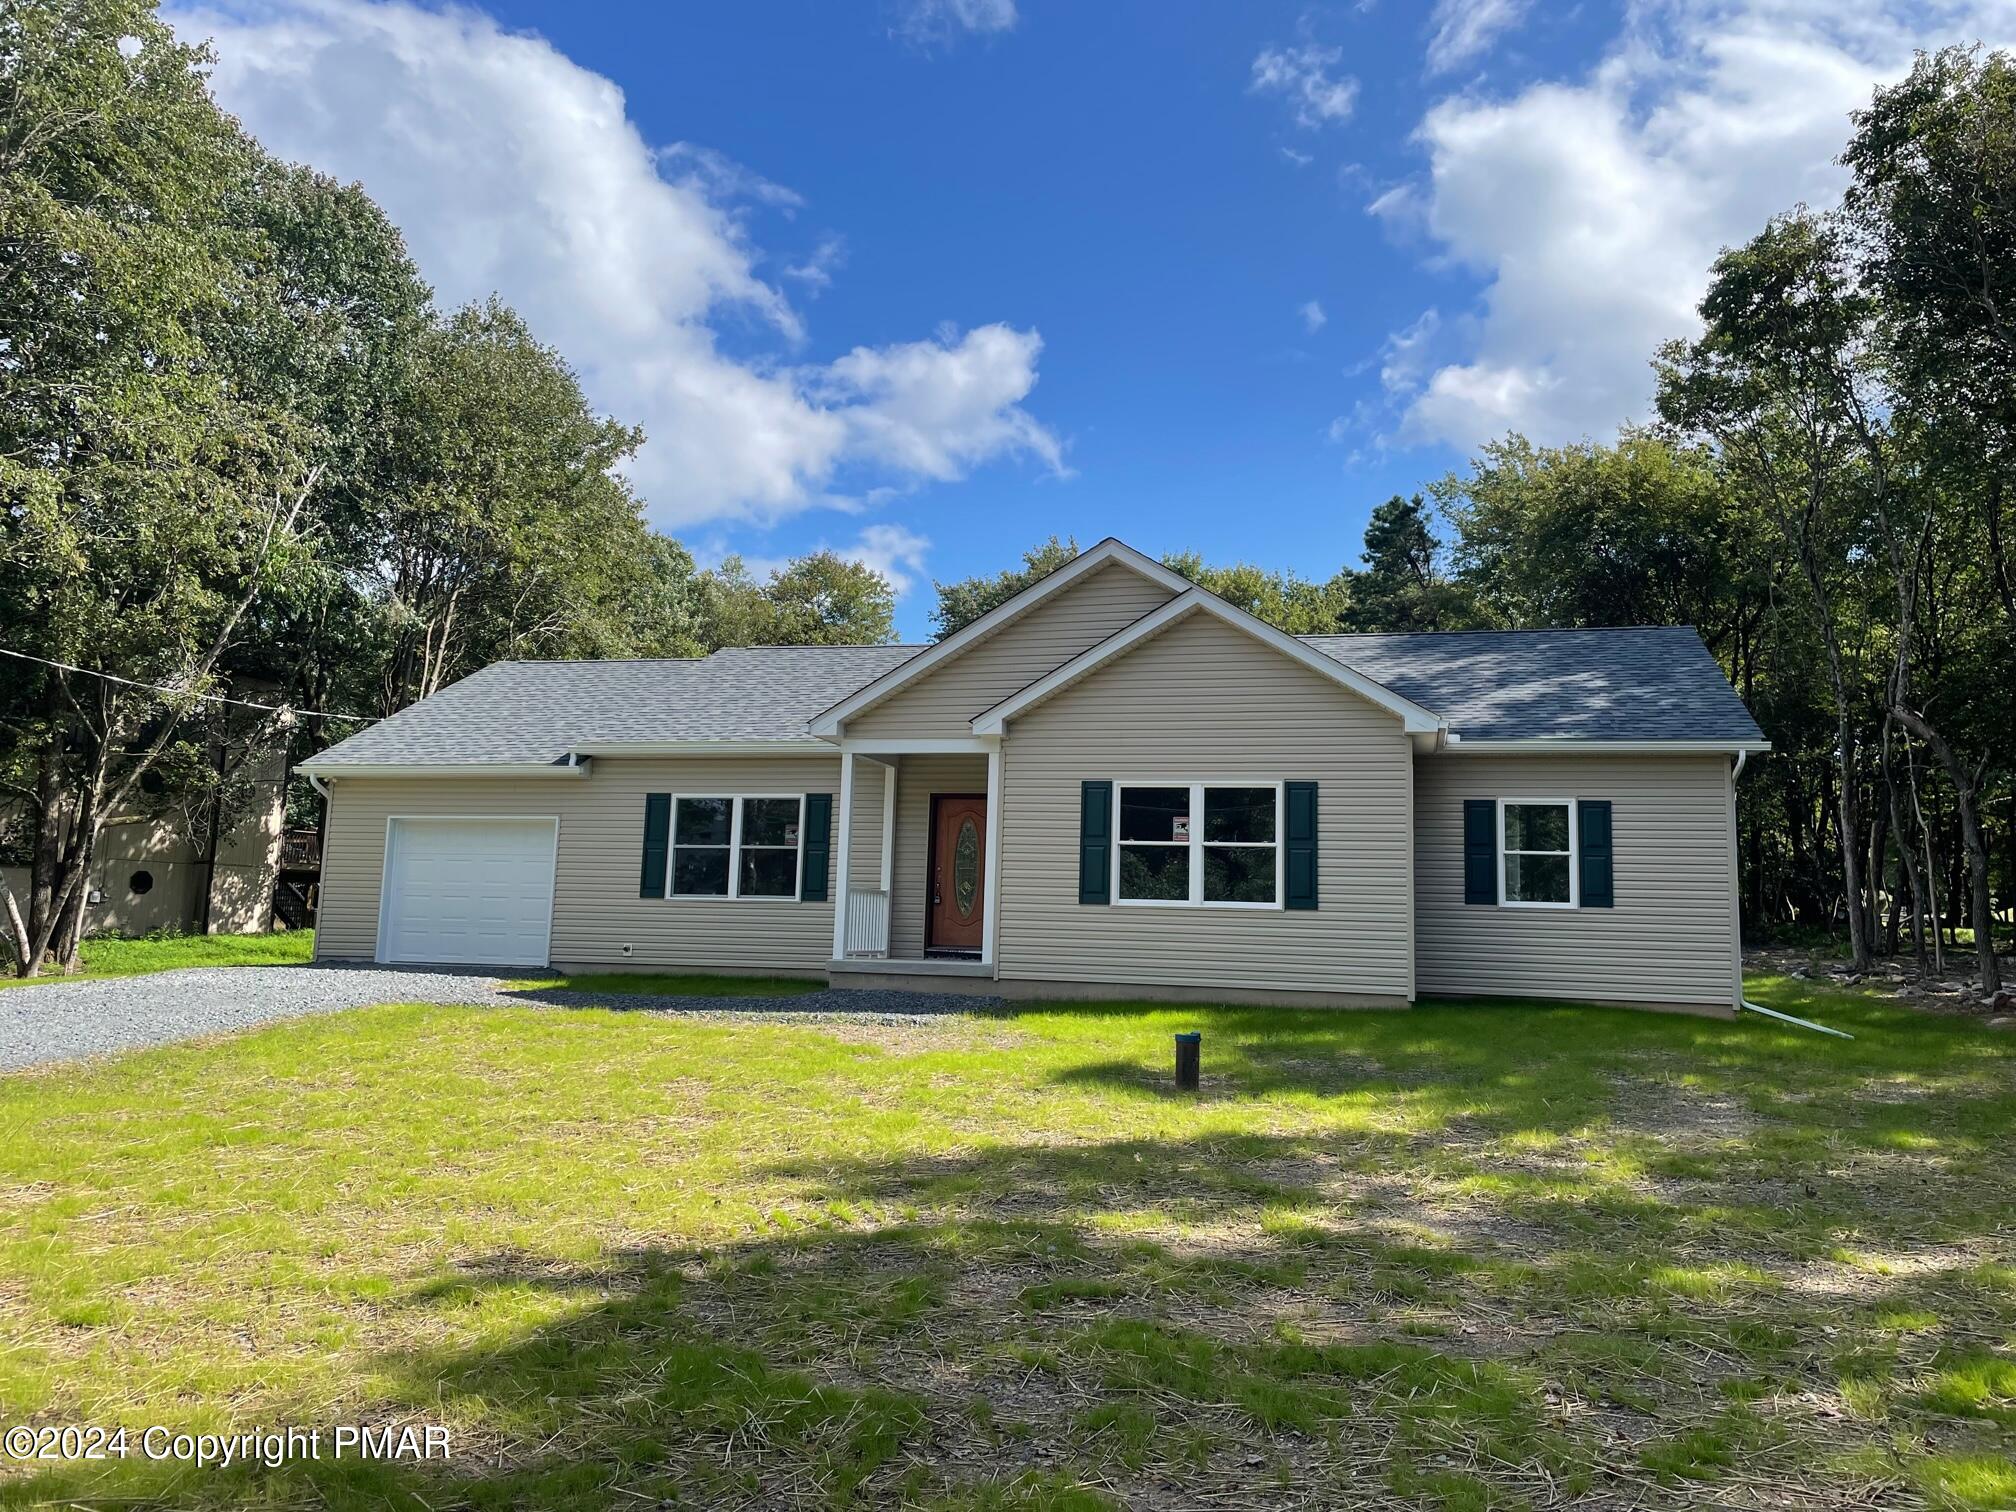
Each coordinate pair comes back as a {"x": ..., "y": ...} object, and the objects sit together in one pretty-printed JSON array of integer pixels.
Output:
[
  {"x": 1480, "y": 850},
  {"x": 1299, "y": 836},
  {"x": 818, "y": 848},
  {"x": 657, "y": 835},
  {"x": 1095, "y": 843},
  {"x": 1592, "y": 826}
]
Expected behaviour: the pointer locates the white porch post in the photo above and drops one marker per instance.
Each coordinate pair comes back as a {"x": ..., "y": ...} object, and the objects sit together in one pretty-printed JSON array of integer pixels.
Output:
[
  {"x": 889, "y": 821},
  {"x": 841, "y": 862},
  {"x": 987, "y": 925}
]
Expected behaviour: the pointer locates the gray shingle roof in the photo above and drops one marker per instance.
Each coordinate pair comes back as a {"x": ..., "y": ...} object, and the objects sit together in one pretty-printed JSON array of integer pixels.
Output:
[
  {"x": 1656, "y": 683},
  {"x": 540, "y": 711},
  {"x": 1639, "y": 684}
]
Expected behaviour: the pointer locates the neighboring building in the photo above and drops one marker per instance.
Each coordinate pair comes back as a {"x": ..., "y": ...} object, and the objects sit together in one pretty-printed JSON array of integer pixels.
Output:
[
  {"x": 147, "y": 875},
  {"x": 1114, "y": 784}
]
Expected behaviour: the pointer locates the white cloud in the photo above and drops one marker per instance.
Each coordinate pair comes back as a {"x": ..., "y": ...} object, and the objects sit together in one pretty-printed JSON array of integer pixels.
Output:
[
  {"x": 931, "y": 22},
  {"x": 816, "y": 270},
  {"x": 1464, "y": 29},
  {"x": 934, "y": 408},
  {"x": 895, "y": 552},
  {"x": 720, "y": 177},
  {"x": 1299, "y": 159},
  {"x": 1408, "y": 354},
  {"x": 1301, "y": 75},
  {"x": 1313, "y": 318},
  {"x": 1403, "y": 362},
  {"x": 512, "y": 169},
  {"x": 1592, "y": 207}
]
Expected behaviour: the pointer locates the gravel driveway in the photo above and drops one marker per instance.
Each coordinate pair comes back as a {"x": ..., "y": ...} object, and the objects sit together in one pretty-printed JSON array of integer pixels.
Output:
[{"x": 61, "y": 1021}]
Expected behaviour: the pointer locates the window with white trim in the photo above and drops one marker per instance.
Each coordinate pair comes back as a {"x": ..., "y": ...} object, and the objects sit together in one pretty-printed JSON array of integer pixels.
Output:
[
  {"x": 1536, "y": 853},
  {"x": 1198, "y": 844},
  {"x": 736, "y": 846}
]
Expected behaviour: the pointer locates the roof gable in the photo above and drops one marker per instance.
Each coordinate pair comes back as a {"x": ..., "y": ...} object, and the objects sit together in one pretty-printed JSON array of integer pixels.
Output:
[
  {"x": 830, "y": 723},
  {"x": 1415, "y": 719}
]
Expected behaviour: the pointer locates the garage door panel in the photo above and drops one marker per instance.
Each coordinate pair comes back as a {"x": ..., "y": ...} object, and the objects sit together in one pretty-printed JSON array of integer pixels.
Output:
[{"x": 469, "y": 890}]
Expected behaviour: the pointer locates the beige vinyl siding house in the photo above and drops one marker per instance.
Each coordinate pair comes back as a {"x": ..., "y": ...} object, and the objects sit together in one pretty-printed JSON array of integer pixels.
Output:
[
  {"x": 1669, "y": 934},
  {"x": 1113, "y": 785},
  {"x": 598, "y": 919},
  {"x": 1183, "y": 707}
]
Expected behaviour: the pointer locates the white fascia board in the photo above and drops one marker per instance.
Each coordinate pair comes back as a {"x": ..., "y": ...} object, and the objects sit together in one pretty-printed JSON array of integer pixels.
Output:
[
  {"x": 1569, "y": 745},
  {"x": 1001, "y": 615},
  {"x": 706, "y": 748},
  {"x": 442, "y": 769},
  {"x": 948, "y": 745},
  {"x": 1413, "y": 718}
]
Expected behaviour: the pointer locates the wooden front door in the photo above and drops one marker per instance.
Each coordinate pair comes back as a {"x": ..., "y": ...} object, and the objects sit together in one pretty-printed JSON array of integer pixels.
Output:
[{"x": 958, "y": 871}]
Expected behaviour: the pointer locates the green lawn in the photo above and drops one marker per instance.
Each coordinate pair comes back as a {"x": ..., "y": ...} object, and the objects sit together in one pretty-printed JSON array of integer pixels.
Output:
[
  {"x": 118, "y": 958},
  {"x": 1464, "y": 1257}
]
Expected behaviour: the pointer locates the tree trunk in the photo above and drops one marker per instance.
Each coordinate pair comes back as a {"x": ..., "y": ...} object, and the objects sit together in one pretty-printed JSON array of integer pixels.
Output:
[
  {"x": 68, "y": 938},
  {"x": 50, "y": 812},
  {"x": 1879, "y": 834},
  {"x": 17, "y": 927},
  {"x": 1849, "y": 819},
  {"x": 1977, "y": 849},
  {"x": 1998, "y": 560},
  {"x": 1906, "y": 858}
]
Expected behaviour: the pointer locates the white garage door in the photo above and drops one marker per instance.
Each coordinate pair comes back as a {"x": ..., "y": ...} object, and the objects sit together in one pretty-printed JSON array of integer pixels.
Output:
[{"x": 468, "y": 890}]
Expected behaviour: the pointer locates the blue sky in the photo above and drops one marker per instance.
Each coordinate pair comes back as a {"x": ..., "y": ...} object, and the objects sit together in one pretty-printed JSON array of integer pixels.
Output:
[{"x": 929, "y": 280}]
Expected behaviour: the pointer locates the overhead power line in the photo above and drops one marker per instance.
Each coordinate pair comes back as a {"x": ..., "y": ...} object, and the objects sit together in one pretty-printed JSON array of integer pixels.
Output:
[{"x": 243, "y": 703}]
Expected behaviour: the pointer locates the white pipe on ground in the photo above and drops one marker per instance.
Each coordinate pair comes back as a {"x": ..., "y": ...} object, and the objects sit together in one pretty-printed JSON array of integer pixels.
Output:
[{"x": 1786, "y": 1018}]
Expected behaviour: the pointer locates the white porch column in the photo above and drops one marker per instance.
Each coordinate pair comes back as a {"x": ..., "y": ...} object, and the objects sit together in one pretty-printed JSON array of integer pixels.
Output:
[
  {"x": 843, "y": 851},
  {"x": 889, "y": 821},
  {"x": 987, "y": 925}
]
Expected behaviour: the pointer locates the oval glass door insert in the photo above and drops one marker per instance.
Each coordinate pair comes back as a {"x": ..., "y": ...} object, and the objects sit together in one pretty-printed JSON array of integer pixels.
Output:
[{"x": 966, "y": 868}]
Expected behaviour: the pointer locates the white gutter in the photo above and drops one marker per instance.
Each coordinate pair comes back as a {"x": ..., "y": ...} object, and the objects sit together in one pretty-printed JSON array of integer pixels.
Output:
[
  {"x": 321, "y": 787},
  {"x": 1568, "y": 745},
  {"x": 448, "y": 769},
  {"x": 780, "y": 747}
]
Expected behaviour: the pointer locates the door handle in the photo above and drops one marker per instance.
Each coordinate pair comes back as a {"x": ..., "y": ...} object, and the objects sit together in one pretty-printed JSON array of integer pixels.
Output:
[{"x": 937, "y": 886}]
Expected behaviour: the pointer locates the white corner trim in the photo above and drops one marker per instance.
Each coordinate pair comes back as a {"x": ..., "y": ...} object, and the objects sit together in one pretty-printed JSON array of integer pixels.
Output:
[
  {"x": 888, "y": 870},
  {"x": 1413, "y": 718},
  {"x": 444, "y": 769},
  {"x": 1569, "y": 745},
  {"x": 828, "y": 724}
]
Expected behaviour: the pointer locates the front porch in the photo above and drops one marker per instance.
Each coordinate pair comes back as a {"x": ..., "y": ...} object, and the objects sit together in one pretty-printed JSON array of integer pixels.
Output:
[{"x": 918, "y": 839}]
